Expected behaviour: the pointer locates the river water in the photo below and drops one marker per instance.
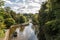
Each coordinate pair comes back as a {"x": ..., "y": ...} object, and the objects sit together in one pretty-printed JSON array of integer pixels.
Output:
[{"x": 27, "y": 34}]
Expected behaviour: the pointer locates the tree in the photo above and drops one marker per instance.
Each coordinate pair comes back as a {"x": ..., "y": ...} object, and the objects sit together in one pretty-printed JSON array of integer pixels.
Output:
[
  {"x": 7, "y": 9},
  {"x": 13, "y": 14},
  {"x": 52, "y": 25},
  {"x": 9, "y": 22},
  {"x": 49, "y": 21},
  {"x": 1, "y": 19},
  {"x": 42, "y": 20},
  {"x": 21, "y": 19},
  {"x": 2, "y": 25},
  {"x": 7, "y": 12},
  {"x": 35, "y": 19},
  {"x": 1, "y": 3}
]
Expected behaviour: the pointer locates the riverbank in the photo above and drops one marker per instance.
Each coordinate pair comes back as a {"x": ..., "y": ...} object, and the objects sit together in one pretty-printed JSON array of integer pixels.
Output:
[
  {"x": 36, "y": 28},
  {"x": 1, "y": 38},
  {"x": 27, "y": 34},
  {"x": 12, "y": 29}
]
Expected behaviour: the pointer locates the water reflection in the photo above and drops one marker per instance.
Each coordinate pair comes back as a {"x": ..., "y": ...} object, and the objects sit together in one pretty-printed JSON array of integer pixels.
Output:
[{"x": 27, "y": 34}]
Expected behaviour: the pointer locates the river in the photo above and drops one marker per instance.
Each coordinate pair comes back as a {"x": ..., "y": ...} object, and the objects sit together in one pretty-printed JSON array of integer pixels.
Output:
[{"x": 27, "y": 34}]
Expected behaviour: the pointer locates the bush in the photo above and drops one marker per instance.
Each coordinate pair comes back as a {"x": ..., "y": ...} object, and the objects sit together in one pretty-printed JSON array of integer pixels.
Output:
[
  {"x": 1, "y": 19},
  {"x": 9, "y": 22},
  {"x": 2, "y": 34},
  {"x": 21, "y": 19},
  {"x": 52, "y": 27},
  {"x": 2, "y": 25},
  {"x": 35, "y": 19}
]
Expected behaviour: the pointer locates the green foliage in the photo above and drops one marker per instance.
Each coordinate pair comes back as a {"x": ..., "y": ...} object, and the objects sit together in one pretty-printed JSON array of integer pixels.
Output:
[
  {"x": 7, "y": 12},
  {"x": 9, "y": 22},
  {"x": 49, "y": 16},
  {"x": 1, "y": 19},
  {"x": 35, "y": 19},
  {"x": 2, "y": 34},
  {"x": 22, "y": 19},
  {"x": 8, "y": 18},
  {"x": 7, "y": 9},
  {"x": 6, "y": 15},
  {"x": 2, "y": 25},
  {"x": 13, "y": 14},
  {"x": 52, "y": 27},
  {"x": 42, "y": 19},
  {"x": 1, "y": 3},
  {"x": 2, "y": 12}
]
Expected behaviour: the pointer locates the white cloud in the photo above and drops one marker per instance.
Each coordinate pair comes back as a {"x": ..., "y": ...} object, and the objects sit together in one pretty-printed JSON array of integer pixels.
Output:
[
  {"x": 4, "y": 0},
  {"x": 37, "y": 0},
  {"x": 15, "y": 7},
  {"x": 27, "y": 6},
  {"x": 8, "y": 2},
  {"x": 34, "y": 4},
  {"x": 17, "y": 0}
]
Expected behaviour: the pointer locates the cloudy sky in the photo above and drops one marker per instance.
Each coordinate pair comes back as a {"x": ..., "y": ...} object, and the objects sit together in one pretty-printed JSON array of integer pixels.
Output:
[{"x": 24, "y": 6}]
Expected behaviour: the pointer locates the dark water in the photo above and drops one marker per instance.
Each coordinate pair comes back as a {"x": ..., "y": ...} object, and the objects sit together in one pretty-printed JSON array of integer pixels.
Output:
[{"x": 27, "y": 34}]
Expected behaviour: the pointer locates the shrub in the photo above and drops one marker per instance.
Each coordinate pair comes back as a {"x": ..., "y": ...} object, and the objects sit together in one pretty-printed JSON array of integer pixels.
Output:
[
  {"x": 9, "y": 22},
  {"x": 1, "y": 19},
  {"x": 21, "y": 19},
  {"x": 52, "y": 27}
]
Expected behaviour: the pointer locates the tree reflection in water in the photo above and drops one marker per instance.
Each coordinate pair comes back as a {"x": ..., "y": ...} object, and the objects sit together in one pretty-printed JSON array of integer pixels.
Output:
[{"x": 27, "y": 34}]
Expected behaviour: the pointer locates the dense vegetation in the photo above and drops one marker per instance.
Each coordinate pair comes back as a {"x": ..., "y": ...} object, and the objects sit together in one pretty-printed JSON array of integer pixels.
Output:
[
  {"x": 35, "y": 19},
  {"x": 49, "y": 20},
  {"x": 8, "y": 18}
]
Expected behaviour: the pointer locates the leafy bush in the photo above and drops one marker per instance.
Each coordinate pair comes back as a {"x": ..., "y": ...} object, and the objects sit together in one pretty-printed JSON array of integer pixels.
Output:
[
  {"x": 35, "y": 19},
  {"x": 21, "y": 19},
  {"x": 2, "y": 34},
  {"x": 1, "y": 19},
  {"x": 9, "y": 22},
  {"x": 52, "y": 27}
]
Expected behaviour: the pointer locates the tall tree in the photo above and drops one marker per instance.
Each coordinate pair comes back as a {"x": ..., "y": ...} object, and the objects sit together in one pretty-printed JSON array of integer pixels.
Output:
[
  {"x": 13, "y": 14},
  {"x": 7, "y": 12},
  {"x": 1, "y": 3},
  {"x": 42, "y": 20},
  {"x": 49, "y": 21}
]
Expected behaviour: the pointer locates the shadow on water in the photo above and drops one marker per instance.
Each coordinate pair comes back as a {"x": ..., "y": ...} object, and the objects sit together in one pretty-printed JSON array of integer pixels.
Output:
[{"x": 27, "y": 34}]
